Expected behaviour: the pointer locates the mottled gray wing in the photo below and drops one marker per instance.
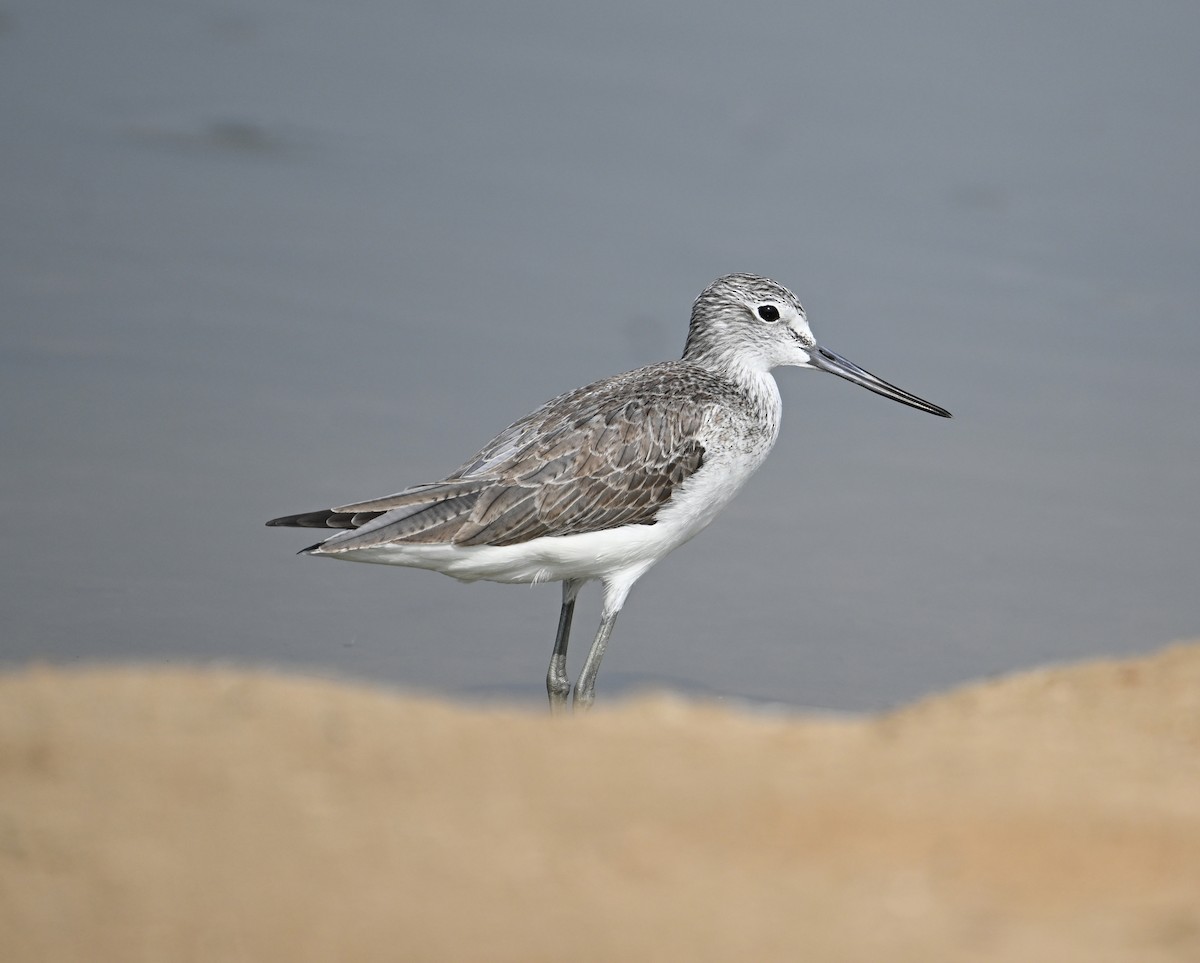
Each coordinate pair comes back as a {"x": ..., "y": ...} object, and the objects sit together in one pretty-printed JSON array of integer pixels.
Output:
[
  {"x": 567, "y": 468},
  {"x": 605, "y": 466},
  {"x": 599, "y": 457}
]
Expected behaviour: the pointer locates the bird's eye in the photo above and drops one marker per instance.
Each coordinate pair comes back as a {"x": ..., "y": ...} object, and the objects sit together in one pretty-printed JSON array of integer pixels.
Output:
[{"x": 768, "y": 312}]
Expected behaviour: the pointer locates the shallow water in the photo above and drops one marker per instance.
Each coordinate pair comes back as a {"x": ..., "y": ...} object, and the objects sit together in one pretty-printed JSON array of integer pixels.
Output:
[{"x": 266, "y": 258}]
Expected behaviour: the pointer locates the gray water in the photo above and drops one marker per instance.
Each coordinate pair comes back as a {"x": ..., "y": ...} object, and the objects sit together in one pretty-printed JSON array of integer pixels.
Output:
[{"x": 268, "y": 256}]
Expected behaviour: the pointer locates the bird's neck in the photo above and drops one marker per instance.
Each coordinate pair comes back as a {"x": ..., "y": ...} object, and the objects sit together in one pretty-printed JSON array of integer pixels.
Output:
[{"x": 751, "y": 379}]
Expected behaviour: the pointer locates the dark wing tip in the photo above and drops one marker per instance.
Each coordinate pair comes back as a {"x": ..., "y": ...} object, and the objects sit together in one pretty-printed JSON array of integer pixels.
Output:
[
  {"x": 323, "y": 519},
  {"x": 295, "y": 521}
]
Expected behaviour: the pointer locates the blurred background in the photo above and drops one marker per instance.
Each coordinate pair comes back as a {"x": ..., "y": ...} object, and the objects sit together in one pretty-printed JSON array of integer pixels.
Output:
[{"x": 262, "y": 257}]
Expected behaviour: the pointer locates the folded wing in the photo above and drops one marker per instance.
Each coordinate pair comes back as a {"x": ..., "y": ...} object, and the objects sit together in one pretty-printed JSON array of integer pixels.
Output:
[{"x": 590, "y": 460}]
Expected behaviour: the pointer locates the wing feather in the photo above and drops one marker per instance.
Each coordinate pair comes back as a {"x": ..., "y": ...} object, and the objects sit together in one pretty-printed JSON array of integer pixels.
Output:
[{"x": 588, "y": 460}]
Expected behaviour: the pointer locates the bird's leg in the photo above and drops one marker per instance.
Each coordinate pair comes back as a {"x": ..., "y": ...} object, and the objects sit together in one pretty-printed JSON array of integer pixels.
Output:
[
  {"x": 558, "y": 685},
  {"x": 616, "y": 588},
  {"x": 585, "y": 688}
]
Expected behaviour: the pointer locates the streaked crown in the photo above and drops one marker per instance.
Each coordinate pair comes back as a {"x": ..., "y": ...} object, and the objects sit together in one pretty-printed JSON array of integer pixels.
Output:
[{"x": 747, "y": 321}]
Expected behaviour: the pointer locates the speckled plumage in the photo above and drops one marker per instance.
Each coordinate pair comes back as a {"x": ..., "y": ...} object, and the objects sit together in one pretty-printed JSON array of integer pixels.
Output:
[
  {"x": 608, "y": 454},
  {"x": 603, "y": 481}
]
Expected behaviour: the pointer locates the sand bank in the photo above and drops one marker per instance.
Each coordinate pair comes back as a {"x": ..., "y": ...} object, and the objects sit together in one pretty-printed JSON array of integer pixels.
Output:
[{"x": 152, "y": 814}]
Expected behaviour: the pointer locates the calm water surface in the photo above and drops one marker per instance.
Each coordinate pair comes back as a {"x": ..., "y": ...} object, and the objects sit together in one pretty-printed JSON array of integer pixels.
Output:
[{"x": 265, "y": 257}]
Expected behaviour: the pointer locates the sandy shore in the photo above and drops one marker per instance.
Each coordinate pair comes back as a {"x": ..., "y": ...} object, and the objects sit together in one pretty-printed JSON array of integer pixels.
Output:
[{"x": 159, "y": 814}]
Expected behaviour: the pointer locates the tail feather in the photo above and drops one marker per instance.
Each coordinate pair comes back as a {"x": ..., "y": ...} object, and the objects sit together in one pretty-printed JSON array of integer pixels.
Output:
[
  {"x": 423, "y": 513},
  {"x": 434, "y": 521},
  {"x": 417, "y": 495},
  {"x": 329, "y": 518}
]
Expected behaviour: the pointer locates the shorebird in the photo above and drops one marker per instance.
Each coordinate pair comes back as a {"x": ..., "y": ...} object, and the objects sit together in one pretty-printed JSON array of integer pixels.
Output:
[{"x": 603, "y": 481}]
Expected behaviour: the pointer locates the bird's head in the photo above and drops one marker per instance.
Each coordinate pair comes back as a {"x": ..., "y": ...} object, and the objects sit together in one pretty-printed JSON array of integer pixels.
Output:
[{"x": 750, "y": 322}]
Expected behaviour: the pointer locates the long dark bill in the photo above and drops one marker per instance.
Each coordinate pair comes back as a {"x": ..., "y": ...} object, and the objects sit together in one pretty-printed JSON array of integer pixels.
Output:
[{"x": 834, "y": 363}]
